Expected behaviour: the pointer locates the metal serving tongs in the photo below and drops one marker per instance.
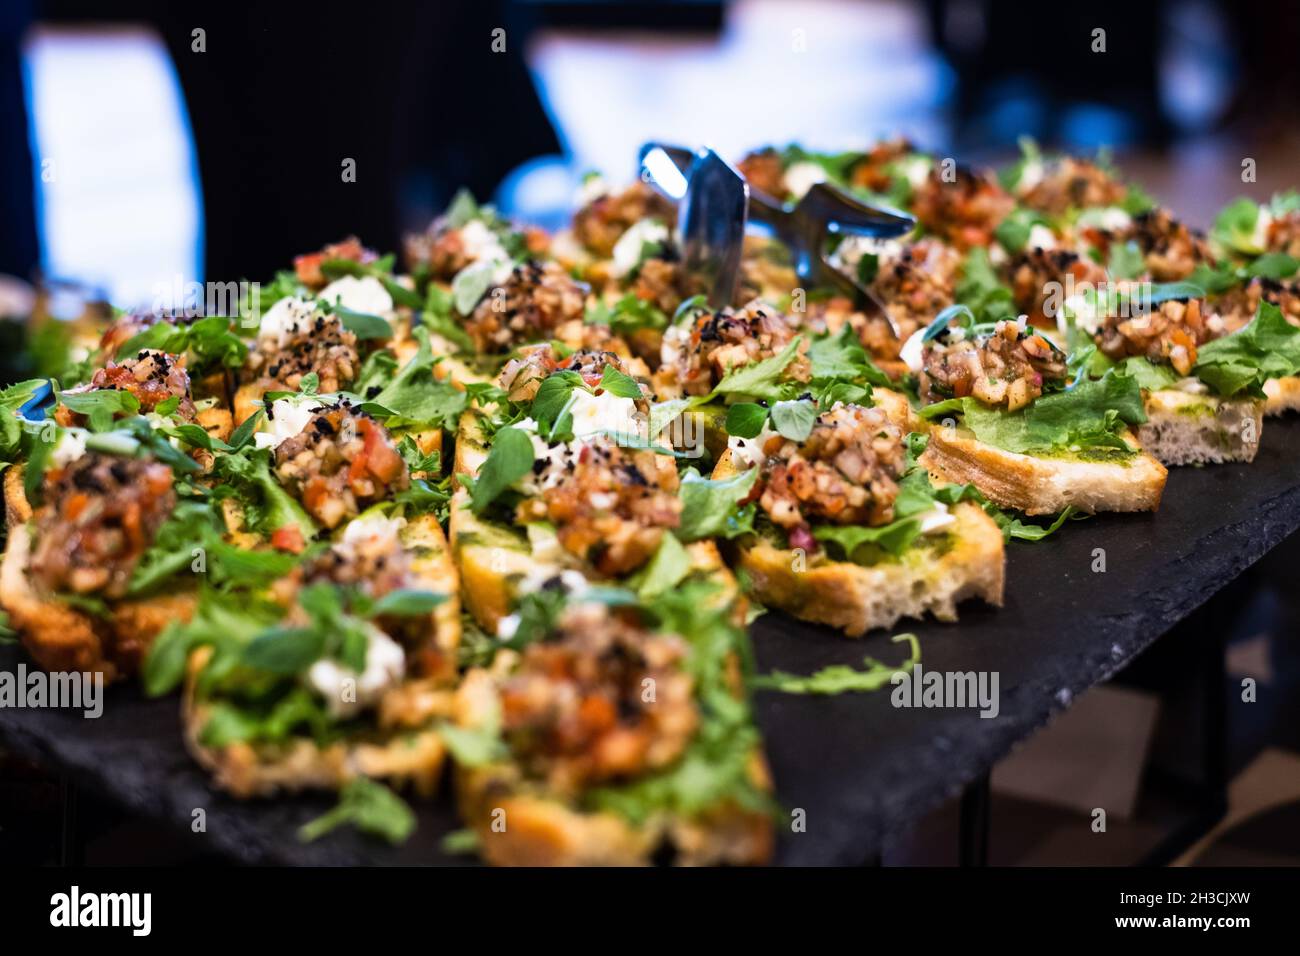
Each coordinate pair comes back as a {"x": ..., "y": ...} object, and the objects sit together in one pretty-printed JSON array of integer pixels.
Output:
[{"x": 804, "y": 226}]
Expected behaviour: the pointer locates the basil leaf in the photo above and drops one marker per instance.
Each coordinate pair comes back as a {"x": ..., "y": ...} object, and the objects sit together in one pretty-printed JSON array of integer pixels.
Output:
[
  {"x": 510, "y": 458},
  {"x": 242, "y": 435},
  {"x": 620, "y": 384},
  {"x": 1274, "y": 265},
  {"x": 362, "y": 325},
  {"x": 285, "y": 650},
  {"x": 407, "y": 603},
  {"x": 745, "y": 419},
  {"x": 794, "y": 420},
  {"x": 471, "y": 284},
  {"x": 553, "y": 398}
]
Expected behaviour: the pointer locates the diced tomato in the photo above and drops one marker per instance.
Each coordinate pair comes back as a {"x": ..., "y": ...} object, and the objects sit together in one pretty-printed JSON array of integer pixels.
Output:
[{"x": 288, "y": 538}]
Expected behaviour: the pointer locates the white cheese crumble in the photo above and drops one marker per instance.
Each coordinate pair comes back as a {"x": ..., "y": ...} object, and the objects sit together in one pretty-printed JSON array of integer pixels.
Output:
[
  {"x": 937, "y": 519},
  {"x": 289, "y": 317},
  {"x": 71, "y": 446},
  {"x": 801, "y": 177},
  {"x": 289, "y": 416},
  {"x": 1031, "y": 174},
  {"x": 850, "y": 252},
  {"x": 1192, "y": 386},
  {"x": 1108, "y": 218},
  {"x": 592, "y": 415},
  {"x": 748, "y": 452},
  {"x": 674, "y": 341},
  {"x": 1259, "y": 238},
  {"x": 915, "y": 169},
  {"x": 627, "y": 251},
  {"x": 385, "y": 667},
  {"x": 376, "y": 525},
  {"x": 364, "y": 294},
  {"x": 1082, "y": 311},
  {"x": 1040, "y": 237},
  {"x": 913, "y": 351},
  {"x": 593, "y": 187}
]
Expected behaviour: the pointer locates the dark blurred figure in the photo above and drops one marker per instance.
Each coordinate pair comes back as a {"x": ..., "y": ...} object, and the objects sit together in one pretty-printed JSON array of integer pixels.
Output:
[
  {"x": 280, "y": 95},
  {"x": 19, "y": 252},
  {"x": 413, "y": 92},
  {"x": 1020, "y": 65}
]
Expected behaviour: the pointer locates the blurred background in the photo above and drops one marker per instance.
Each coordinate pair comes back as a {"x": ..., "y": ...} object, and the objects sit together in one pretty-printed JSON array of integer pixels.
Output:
[
  {"x": 144, "y": 144},
  {"x": 142, "y": 141}
]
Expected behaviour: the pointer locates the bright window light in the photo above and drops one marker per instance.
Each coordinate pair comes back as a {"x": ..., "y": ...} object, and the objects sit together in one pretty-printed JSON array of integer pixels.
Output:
[{"x": 118, "y": 201}]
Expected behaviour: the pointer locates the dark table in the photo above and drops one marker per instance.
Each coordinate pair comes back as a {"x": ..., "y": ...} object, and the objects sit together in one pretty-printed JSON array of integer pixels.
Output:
[{"x": 860, "y": 769}]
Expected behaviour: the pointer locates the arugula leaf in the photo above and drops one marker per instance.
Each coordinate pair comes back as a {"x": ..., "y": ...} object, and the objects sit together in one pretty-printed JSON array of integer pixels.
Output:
[
  {"x": 628, "y": 315},
  {"x": 191, "y": 525},
  {"x": 267, "y": 505},
  {"x": 210, "y": 342},
  {"x": 708, "y": 504},
  {"x": 1089, "y": 414},
  {"x": 510, "y": 458},
  {"x": 841, "y": 357},
  {"x": 981, "y": 290},
  {"x": 1126, "y": 261},
  {"x": 438, "y": 317},
  {"x": 893, "y": 538},
  {"x": 416, "y": 396},
  {"x": 1013, "y": 232},
  {"x": 840, "y": 678},
  {"x": 480, "y": 745},
  {"x": 760, "y": 379},
  {"x": 1013, "y": 527},
  {"x": 1269, "y": 347},
  {"x": 100, "y": 406},
  {"x": 462, "y": 210},
  {"x": 12, "y": 399},
  {"x": 371, "y": 808},
  {"x": 667, "y": 568},
  {"x": 1234, "y": 227}
]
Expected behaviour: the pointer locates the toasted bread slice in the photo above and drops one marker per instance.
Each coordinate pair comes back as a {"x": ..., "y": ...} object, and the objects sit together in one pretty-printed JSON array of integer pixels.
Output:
[
  {"x": 1283, "y": 395},
  {"x": 967, "y": 561},
  {"x": 520, "y": 824},
  {"x": 403, "y": 748},
  {"x": 1183, "y": 428},
  {"x": 1044, "y": 486},
  {"x": 397, "y": 753},
  {"x": 61, "y": 637},
  {"x": 495, "y": 560}
]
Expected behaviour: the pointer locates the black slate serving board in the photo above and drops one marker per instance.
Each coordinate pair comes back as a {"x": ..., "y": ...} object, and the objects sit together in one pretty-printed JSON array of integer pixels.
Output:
[{"x": 859, "y": 768}]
